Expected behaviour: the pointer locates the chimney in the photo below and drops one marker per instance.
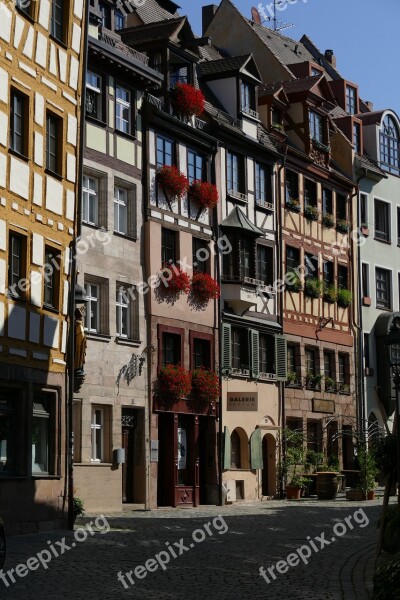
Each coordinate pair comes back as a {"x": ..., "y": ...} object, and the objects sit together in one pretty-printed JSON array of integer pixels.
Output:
[
  {"x": 208, "y": 15},
  {"x": 370, "y": 105},
  {"x": 331, "y": 58}
]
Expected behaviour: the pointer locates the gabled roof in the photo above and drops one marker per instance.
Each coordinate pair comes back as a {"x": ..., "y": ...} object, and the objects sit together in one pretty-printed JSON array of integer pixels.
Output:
[
  {"x": 236, "y": 64},
  {"x": 295, "y": 86},
  {"x": 163, "y": 30},
  {"x": 366, "y": 162},
  {"x": 371, "y": 118},
  {"x": 237, "y": 220},
  {"x": 210, "y": 52},
  {"x": 154, "y": 11}
]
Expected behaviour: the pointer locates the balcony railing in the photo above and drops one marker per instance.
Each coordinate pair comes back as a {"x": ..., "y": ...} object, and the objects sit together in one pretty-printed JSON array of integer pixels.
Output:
[
  {"x": 223, "y": 117},
  {"x": 240, "y": 372},
  {"x": 241, "y": 279},
  {"x": 157, "y": 102},
  {"x": 267, "y": 376},
  {"x": 249, "y": 111},
  {"x": 265, "y": 204},
  {"x": 237, "y": 195},
  {"x": 114, "y": 42}
]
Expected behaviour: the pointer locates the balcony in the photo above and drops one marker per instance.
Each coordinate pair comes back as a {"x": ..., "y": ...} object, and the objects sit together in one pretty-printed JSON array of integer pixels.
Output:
[
  {"x": 161, "y": 105},
  {"x": 241, "y": 292},
  {"x": 115, "y": 42}
]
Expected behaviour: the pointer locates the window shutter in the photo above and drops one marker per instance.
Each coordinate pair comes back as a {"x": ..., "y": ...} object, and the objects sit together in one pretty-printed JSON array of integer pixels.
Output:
[
  {"x": 256, "y": 450},
  {"x": 226, "y": 348},
  {"x": 281, "y": 358},
  {"x": 227, "y": 449},
  {"x": 255, "y": 353}
]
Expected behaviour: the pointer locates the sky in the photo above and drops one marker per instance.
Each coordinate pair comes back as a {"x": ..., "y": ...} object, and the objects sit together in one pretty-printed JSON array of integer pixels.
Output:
[{"x": 364, "y": 35}]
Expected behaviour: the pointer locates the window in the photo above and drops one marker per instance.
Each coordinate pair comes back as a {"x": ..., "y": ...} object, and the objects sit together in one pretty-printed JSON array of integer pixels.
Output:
[
  {"x": 314, "y": 436},
  {"x": 364, "y": 209},
  {"x": 311, "y": 264},
  {"x": 343, "y": 277},
  {"x": 51, "y": 277},
  {"x": 316, "y": 127},
  {"x": 171, "y": 349},
  {"x": 327, "y": 203},
  {"x": 105, "y": 11},
  {"x": 343, "y": 373},
  {"x": 341, "y": 207},
  {"x": 19, "y": 123},
  {"x": 58, "y": 11},
  {"x": 248, "y": 97},
  {"x": 178, "y": 74},
  {"x": 40, "y": 436},
  {"x": 329, "y": 362},
  {"x": 263, "y": 185},
  {"x": 124, "y": 211},
  {"x": 351, "y": 100},
  {"x": 292, "y": 185},
  {"x": 16, "y": 265},
  {"x": 357, "y": 137},
  {"x": 168, "y": 246},
  {"x": 390, "y": 145},
  {"x": 122, "y": 110},
  {"x": 266, "y": 353},
  {"x": 90, "y": 200},
  {"x": 315, "y": 72},
  {"x": 97, "y": 427},
  {"x": 93, "y": 307},
  {"x": 156, "y": 61},
  {"x": 276, "y": 116},
  {"x": 310, "y": 362},
  {"x": 292, "y": 362},
  {"x": 53, "y": 143},
  {"x": 310, "y": 193},
  {"x": 94, "y": 96},
  {"x": 382, "y": 221},
  {"x": 365, "y": 280},
  {"x": 201, "y": 354},
  {"x": 230, "y": 261},
  {"x": 234, "y": 172},
  {"x": 164, "y": 151},
  {"x": 246, "y": 257},
  {"x": 235, "y": 450},
  {"x": 240, "y": 349},
  {"x": 201, "y": 255},
  {"x": 328, "y": 272},
  {"x": 383, "y": 288},
  {"x": 119, "y": 20},
  {"x": 367, "y": 355},
  {"x": 195, "y": 166},
  {"x": 265, "y": 264},
  {"x": 8, "y": 430},
  {"x": 127, "y": 325},
  {"x": 292, "y": 258}
]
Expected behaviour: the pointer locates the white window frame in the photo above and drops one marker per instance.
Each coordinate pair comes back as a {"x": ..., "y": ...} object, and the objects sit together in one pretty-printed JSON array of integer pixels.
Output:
[
  {"x": 390, "y": 291},
  {"x": 316, "y": 126},
  {"x": 92, "y": 299},
  {"x": 122, "y": 304},
  {"x": 97, "y": 89},
  {"x": 119, "y": 205},
  {"x": 89, "y": 195},
  {"x": 95, "y": 427},
  {"x": 122, "y": 124}
]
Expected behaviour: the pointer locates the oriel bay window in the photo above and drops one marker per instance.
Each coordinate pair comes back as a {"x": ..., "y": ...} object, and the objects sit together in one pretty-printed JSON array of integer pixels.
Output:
[
  {"x": 240, "y": 263},
  {"x": 19, "y": 110}
]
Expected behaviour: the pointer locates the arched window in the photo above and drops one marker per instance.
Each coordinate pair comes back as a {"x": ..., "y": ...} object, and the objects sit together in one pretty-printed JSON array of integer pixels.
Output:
[
  {"x": 390, "y": 146},
  {"x": 235, "y": 450}
]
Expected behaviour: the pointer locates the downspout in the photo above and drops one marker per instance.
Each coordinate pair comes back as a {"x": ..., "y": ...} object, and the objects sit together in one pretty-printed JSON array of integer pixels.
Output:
[{"x": 73, "y": 274}]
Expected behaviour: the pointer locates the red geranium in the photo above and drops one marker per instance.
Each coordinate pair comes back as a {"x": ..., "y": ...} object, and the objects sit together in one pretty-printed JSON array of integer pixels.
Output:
[
  {"x": 205, "y": 193},
  {"x": 173, "y": 181},
  {"x": 187, "y": 100},
  {"x": 174, "y": 382},
  {"x": 175, "y": 279},
  {"x": 204, "y": 288},
  {"x": 205, "y": 385}
]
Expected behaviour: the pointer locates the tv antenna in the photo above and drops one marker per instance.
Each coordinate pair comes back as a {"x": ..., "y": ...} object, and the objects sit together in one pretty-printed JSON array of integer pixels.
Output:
[{"x": 259, "y": 16}]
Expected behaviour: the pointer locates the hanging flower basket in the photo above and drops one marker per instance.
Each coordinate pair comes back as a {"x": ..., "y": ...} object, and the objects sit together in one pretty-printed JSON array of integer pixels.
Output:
[
  {"x": 173, "y": 383},
  {"x": 206, "y": 194},
  {"x": 173, "y": 181},
  {"x": 176, "y": 280},
  {"x": 187, "y": 100},
  {"x": 205, "y": 386},
  {"x": 204, "y": 288}
]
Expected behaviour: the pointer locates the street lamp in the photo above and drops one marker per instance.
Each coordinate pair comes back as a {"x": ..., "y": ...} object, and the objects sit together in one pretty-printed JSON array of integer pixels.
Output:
[{"x": 392, "y": 343}]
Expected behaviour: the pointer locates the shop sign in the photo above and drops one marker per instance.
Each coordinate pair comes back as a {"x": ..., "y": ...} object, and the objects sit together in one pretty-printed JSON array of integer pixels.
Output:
[{"x": 242, "y": 401}]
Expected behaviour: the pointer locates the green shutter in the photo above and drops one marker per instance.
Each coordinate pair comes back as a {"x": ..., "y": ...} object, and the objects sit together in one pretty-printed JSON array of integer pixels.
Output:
[
  {"x": 227, "y": 449},
  {"x": 255, "y": 353},
  {"x": 281, "y": 358},
  {"x": 256, "y": 453},
  {"x": 226, "y": 349}
]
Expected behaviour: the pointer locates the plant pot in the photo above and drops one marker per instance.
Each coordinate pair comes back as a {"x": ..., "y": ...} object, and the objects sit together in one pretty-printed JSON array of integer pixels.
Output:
[
  {"x": 327, "y": 486},
  {"x": 365, "y": 231},
  {"x": 371, "y": 495},
  {"x": 293, "y": 493}
]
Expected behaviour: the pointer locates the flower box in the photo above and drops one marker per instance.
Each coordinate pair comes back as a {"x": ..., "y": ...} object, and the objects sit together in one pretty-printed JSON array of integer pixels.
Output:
[
  {"x": 204, "y": 288},
  {"x": 342, "y": 226},
  {"x": 344, "y": 298},
  {"x": 205, "y": 386},
  {"x": 313, "y": 288},
  {"x": 330, "y": 294},
  {"x": 327, "y": 220},
  {"x": 173, "y": 181},
  {"x": 176, "y": 280},
  {"x": 187, "y": 100},
  {"x": 293, "y": 204},
  {"x": 206, "y": 194},
  {"x": 311, "y": 212},
  {"x": 173, "y": 382}
]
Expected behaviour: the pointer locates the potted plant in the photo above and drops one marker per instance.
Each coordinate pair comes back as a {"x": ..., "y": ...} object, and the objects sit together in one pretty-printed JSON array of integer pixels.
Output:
[
  {"x": 368, "y": 472},
  {"x": 311, "y": 212},
  {"x": 328, "y": 220},
  {"x": 176, "y": 281},
  {"x": 187, "y": 100},
  {"x": 294, "y": 460},
  {"x": 293, "y": 282},
  {"x": 205, "y": 386},
  {"x": 334, "y": 463},
  {"x": 344, "y": 297},
  {"x": 330, "y": 293},
  {"x": 204, "y": 288},
  {"x": 293, "y": 204},
  {"x": 173, "y": 181},
  {"x": 206, "y": 194},
  {"x": 313, "y": 288},
  {"x": 279, "y": 127},
  {"x": 77, "y": 508},
  {"x": 365, "y": 229},
  {"x": 330, "y": 384},
  {"x": 342, "y": 226},
  {"x": 173, "y": 383},
  {"x": 291, "y": 378},
  {"x": 314, "y": 380}
]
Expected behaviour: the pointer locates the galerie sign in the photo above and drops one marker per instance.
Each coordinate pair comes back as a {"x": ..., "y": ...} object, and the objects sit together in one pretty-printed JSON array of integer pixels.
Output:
[{"x": 242, "y": 401}]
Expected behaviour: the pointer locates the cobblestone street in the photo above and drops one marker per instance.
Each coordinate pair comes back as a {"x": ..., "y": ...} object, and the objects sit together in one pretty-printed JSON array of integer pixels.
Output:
[{"x": 223, "y": 566}]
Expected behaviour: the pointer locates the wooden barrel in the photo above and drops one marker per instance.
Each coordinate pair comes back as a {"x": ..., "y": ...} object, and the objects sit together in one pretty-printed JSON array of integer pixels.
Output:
[{"x": 327, "y": 486}]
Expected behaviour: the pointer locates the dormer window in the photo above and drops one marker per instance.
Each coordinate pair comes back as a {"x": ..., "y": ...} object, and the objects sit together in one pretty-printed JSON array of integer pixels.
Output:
[
  {"x": 316, "y": 127},
  {"x": 351, "y": 100},
  {"x": 276, "y": 117},
  {"x": 315, "y": 72},
  {"x": 247, "y": 98},
  {"x": 390, "y": 146}
]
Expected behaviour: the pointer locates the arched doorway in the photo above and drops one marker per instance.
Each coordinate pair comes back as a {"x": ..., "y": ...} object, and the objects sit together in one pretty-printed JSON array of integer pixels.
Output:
[{"x": 269, "y": 470}]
